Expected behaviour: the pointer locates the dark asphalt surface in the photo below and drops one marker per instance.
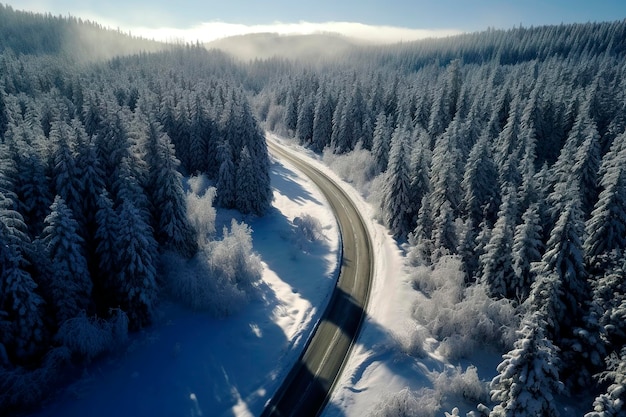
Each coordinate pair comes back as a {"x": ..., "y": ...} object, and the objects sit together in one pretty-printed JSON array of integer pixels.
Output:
[{"x": 306, "y": 388}]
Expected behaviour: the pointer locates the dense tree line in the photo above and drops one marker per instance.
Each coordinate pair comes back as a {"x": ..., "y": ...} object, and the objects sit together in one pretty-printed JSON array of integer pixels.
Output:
[
  {"x": 504, "y": 149},
  {"x": 92, "y": 159}
]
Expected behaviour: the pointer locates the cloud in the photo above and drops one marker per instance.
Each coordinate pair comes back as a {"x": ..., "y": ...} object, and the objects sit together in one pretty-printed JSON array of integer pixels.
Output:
[{"x": 210, "y": 31}]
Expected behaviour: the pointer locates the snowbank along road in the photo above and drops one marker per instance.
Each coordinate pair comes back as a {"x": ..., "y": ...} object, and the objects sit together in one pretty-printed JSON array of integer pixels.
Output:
[{"x": 306, "y": 388}]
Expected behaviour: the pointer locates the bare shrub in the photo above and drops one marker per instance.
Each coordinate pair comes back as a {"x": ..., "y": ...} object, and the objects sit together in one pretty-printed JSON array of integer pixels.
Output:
[
  {"x": 200, "y": 210},
  {"x": 356, "y": 167},
  {"x": 89, "y": 337},
  {"x": 308, "y": 228},
  {"x": 221, "y": 277},
  {"x": 462, "y": 318},
  {"x": 407, "y": 403},
  {"x": 455, "y": 383}
]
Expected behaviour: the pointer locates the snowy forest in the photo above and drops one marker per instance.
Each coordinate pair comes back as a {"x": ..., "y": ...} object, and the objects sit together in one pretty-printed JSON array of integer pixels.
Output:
[
  {"x": 97, "y": 159},
  {"x": 496, "y": 159}
]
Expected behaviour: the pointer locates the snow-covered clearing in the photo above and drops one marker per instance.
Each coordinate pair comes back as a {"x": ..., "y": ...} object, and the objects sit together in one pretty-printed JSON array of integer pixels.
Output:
[{"x": 189, "y": 364}]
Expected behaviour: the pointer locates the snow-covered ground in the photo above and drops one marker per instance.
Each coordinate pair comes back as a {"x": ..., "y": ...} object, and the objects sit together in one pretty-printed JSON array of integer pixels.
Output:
[
  {"x": 376, "y": 366},
  {"x": 189, "y": 364}
]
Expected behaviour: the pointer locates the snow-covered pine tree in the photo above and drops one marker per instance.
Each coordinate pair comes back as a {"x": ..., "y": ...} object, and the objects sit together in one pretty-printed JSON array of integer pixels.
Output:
[
  {"x": 419, "y": 167},
  {"x": 480, "y": 184},
  {"x": 260, "y": 166},
  {"x": 26, "y": 170},
  {"x": 606, "y": 228},
  {"x": 165, "y": 194},
  {"x": 395, "y": 205},
  {"x": 91, "y": 185},
  {"x": 497, "y": 260},
  {"x": 444, "y": 236},
  {"x": 445, "y": 178},
  {"x": 245, "y": 183},
  {"x": 70, "y": 284},
  {"x": 421, "y": 238},
  {"x": 322, "y": 120},
  {"x": 199, "y": 129},
  {"x": 226, "y": 191},
  {"x": 135, "y": 284},
  {"x": 21, "y": 316},
  {"x": 291, "y": 111},
  {"x": 106, "y": 251},
  {"x": 586, "y": 167},
  {"x": 563, "y": 261},
  {"x": 612, "y": 403},
  {"x": 528, "y": 376},
  {"x": 381, "y": 142},
  {"x": 112, "y": 144},
  {"x": 66, "y": 179},
  {"x": 304, "y": 129},
  {"x": 527, "y": 248}
]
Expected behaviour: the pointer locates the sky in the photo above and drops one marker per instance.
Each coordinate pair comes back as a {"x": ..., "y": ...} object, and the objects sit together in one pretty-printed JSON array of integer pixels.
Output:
[{"x": 382, "y": 20}]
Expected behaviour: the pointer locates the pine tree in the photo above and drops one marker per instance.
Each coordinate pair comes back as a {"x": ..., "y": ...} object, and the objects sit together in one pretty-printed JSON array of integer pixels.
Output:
[
  {"x": 26, "y": 170},
  {"x": 291, "y": 111},
  {"x": 421, "y": 238},
  {"x": 527, "y": 248},
  {"x": 480, "y": 184},
  {"x": 20, "y": 305},
  {"x": 445, "y": 239},
  {"x": 166, "y": 195},
  {"x": 135, "y": 284},
  {"x": 612, "y": 403},
  {"x": 395, "y": 206},
  {"x": 528, "y": 376},
  {"x": 445, "y": 178},
  {"x": 71, "y": 282},
  {"x": 420, "y": 183},
  {"x": 563, "y": 262},
  {"x": 260, "y": 166},
  {"x": 322, "y": 121},
  {"x": 91, "y": 185},
  {"x": 586, "y": 167},
  {"x": 497, "y": 259},
  {"x": 226, "y": 191},
  {"x": 66, "y": 178},
  {"x": 606, "y": 228},
  {"x": 381, "y": 142},
  {"x": 245, "y": 183},
  {"x": 106, "y": 254},
  {"x": 4, "y": 118},
  {"x": 304, "y": 129}
]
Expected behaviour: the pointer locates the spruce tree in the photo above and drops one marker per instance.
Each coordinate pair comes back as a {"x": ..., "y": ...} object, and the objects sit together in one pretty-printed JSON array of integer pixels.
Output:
[
  {"x": 70, "y": 283},
  {"x": 135, "y": 288},
  {"x": 165, "y": 194},
  {"x": 527, "y": 248},
  {"x": 606, "y": 228},
  {"x": 396, "y": 191},
  {"x": 322, "y": 121},
  {"x": 245, "y": 183},
  {"x": 21, "y": 313},
  {"x": 528, "y": 376},
  {"x": 497, "y": 259}
]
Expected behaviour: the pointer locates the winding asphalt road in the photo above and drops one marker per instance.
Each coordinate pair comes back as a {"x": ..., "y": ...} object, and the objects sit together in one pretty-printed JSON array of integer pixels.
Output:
[{"x": 306, "y": 388}]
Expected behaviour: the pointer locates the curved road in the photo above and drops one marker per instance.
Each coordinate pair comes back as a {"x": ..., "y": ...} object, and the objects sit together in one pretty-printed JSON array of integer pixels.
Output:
[{"x": 306, "y": 388}]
